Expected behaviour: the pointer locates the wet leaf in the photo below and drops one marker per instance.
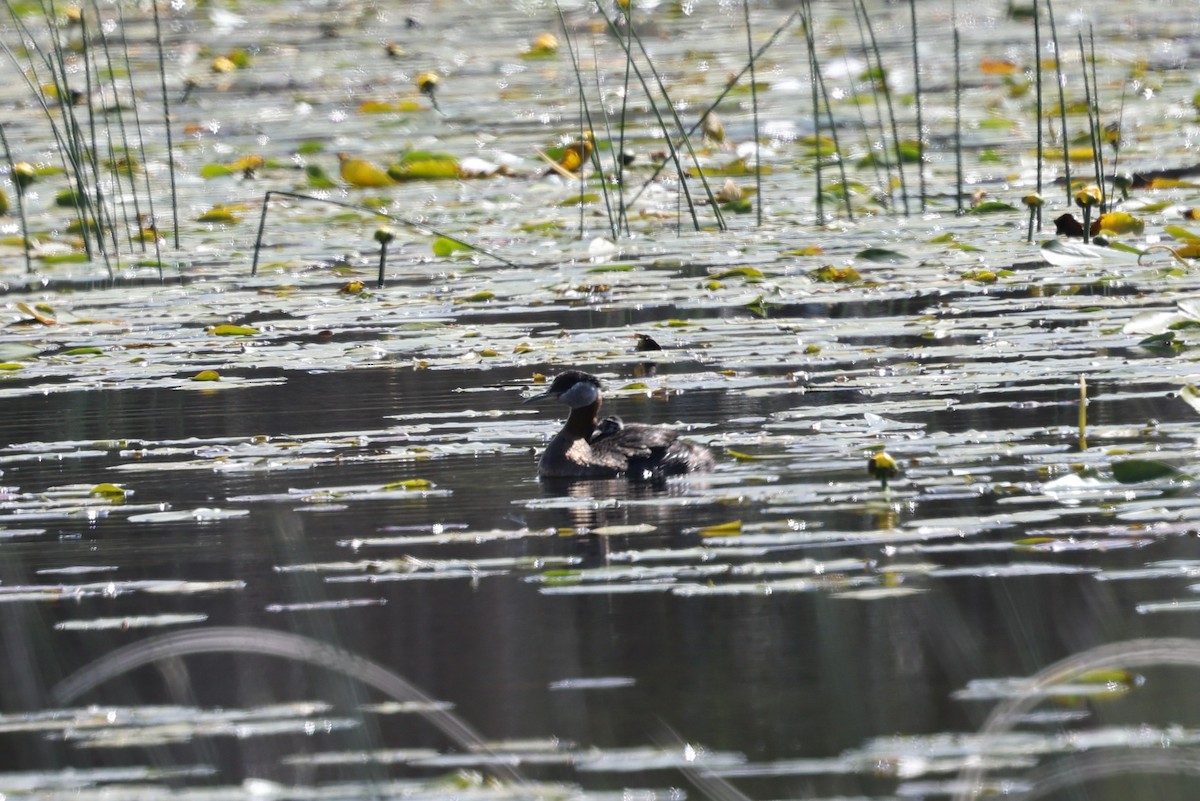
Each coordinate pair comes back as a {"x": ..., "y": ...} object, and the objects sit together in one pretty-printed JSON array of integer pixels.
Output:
[
  {"x": 425, "y": 166},
  {"x": 229, "y": 330},
  {"x": 1135, "y": 471},
  {"x": 882, "y": 255},
  {"x": 113, "y": 492},
  {"x": 730, "y": 529},
  {"x": 835, "y": 275},
  {"x": 207, "y": 375},
  {"x": 219, "y": 213},
  {"x": 443, "y": 247},
  {"x": 991, "y": 207},
  {"x": 751, "y": 274}
]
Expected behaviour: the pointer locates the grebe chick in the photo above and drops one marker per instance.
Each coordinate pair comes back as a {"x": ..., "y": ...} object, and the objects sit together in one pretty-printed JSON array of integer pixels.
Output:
[
  {"x": 587, "y": 448},
  {"x": 606, "y": 428}
]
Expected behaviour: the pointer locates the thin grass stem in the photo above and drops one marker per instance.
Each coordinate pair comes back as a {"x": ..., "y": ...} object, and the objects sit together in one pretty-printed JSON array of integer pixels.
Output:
[
  {"x": 654, "y": 107},
  {"x": 1041, "y": 114},
  {"x": 816, "y": 109},
  {"x": 1062, "y": 98},
  {"x": 754, "y": 106},
  {"x": 1094, "y": 105},
  {"x": 162, "y": 77},
  {"x": 884, "y": 181},
  {"x": 887, "y": 96},
  {"x": 127, "y": 155},
  {"x": 958, "y": 145},
  {"x": 137, "y": 122},
  {"x": 912, "y": 8},
  {"x": 717, "y": 101},
  {"x": 416, "y": 226},
  {"x": 19, "y": 199}
]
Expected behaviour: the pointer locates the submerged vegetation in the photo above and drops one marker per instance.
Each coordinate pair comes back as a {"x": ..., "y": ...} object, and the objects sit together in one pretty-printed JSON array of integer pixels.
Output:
[{"x": 278, "y": 273}]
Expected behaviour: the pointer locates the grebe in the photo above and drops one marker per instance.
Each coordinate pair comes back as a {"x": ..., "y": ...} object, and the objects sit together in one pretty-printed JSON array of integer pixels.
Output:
[{"x": 587, "y": 448}]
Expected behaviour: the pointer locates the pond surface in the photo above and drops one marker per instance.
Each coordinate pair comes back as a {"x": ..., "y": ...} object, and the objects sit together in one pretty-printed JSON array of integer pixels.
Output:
[{"x": 281, "y": 535}]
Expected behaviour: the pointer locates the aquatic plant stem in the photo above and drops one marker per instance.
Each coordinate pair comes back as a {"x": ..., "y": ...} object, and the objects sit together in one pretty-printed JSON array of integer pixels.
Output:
[
  {"x": 19, "y": 200},
  {"x": 585, "y": 116},
  {"x": 1062, "y": 99},
  {"x": 958, "y": 159},
  {"x": 1093, "y": 123},
  {"x": 686, "y": 139},
  {"x": 730, "y": 84},
  {"x": 1041, "y": 121},
  {"x": 141, "y": 149},
  {"x": 1083, "y": 404},
  {"x": 912, "y": 8},
  {"x": 162, "y": 77},
  {"x": 1094, "y": 105},
  {"x": 883, "y": 181},
  {"x": 262, "y": 225},
  {"x": 816, "y": 109},
  {"x": 754, "y": 106},
  {"x": 887, "y": 96},
  {"x": 833, "y": 129}
]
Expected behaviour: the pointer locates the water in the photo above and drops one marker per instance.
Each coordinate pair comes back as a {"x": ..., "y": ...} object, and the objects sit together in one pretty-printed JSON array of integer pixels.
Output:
[{"x": 363, "y": 474}]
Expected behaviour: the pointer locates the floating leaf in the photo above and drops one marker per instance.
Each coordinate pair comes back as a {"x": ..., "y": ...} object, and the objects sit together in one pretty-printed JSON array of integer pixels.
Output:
[
  {"x": 1135, "y": 471},
  {"x": 362, "y": 174},
  {"x": 751, "y": 274},
  {"x": 38, "y": 314},
  {"x": 730, "y": 529},
  {"x": 478, "y": 297},
  {"x": 881, "y": 255},
  {"x": 424, "y": 166},
  {"x": 69, "y": 198},
  {"x": 991, "y": 206},
  {"x": 84, "y": 351},
  {"x": 208, "y": 171},
  {"x": 998, "y": 66},
  {"x": 835, "y": 275},
  {"x": 233, "y": 330},
  {"x": 1179, "y": 232},
  {"x": 219, "y": 213},
  {"x": 111, "y": 491},
  {"x": 742, "y": 457},
  {"x": 444, "y": 246},
  {"x": 207, "y": 375},
  {"x": 409, "y": 484}
]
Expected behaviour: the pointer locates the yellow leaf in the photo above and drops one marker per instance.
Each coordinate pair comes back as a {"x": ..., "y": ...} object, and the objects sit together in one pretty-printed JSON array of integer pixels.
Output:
[
  {"x": 409, "y": 484},
  {"x": 246, "y": 163},
  {"x": 1121, "y": 222},
  {"x": 110, "y": 491},
  {"x": 997, "y": 66},
  {"x": 233, "y": 330},
  {"x": 35, "y": 314},
  {"x": 741, "y": 457},
  {"x": 363, "y": 174},
  {"x": 207, "y": 375},
  {"x": 219, "y": 213},
  {"x": 730, "y": 529}
]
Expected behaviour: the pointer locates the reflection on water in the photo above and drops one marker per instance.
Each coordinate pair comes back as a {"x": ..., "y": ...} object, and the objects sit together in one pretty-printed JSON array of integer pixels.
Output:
[{"x": 763, "y": 643}]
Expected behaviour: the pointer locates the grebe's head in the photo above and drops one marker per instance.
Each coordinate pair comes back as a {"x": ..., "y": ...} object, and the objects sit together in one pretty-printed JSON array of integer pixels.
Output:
[{"x": 575, "y": 388}]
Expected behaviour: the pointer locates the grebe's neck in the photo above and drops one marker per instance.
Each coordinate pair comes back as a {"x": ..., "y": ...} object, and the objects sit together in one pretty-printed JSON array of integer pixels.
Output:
[{"x": 582, "y": 420}]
